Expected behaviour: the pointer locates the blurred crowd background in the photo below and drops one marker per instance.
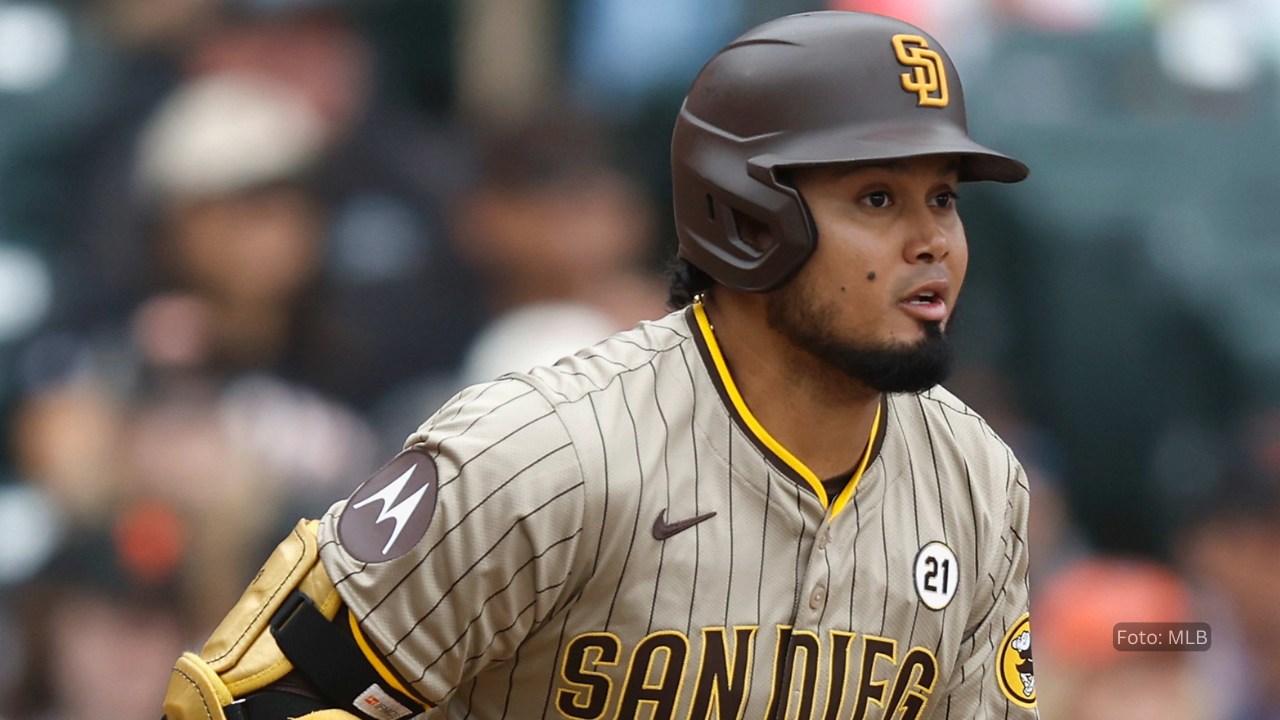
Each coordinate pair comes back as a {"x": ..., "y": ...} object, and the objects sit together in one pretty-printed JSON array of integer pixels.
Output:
[{"x": 246, "y": 246}]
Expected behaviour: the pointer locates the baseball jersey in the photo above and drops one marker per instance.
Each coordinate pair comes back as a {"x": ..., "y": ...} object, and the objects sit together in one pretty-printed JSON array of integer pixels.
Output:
[{"x": 616, "y": 536}]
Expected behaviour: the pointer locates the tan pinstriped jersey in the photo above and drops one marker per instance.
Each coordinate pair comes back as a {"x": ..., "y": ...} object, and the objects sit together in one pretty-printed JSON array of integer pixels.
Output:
[{"x": 615, "y": 536}]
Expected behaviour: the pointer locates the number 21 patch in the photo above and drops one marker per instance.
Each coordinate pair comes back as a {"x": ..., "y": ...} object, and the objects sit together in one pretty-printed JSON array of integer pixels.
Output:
[{"x": 937, "y": 574}]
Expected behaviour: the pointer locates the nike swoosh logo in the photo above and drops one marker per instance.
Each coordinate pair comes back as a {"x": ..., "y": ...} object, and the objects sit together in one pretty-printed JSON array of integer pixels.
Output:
[{"x": 663, "y": 529}]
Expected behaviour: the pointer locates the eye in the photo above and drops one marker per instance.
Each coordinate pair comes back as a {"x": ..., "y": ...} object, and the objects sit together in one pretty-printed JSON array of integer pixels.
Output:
[
  {"x": 877, "y": 199},
  {"x": 946, "y": 200}
]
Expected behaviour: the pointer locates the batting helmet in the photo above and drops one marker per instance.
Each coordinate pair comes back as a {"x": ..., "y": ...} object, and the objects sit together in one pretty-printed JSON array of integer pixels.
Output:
[{"x": 804, "y": 90}]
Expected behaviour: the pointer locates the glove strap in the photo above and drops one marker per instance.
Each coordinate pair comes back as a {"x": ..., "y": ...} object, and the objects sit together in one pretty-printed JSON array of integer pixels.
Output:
[{"x": 330, "y": 660}]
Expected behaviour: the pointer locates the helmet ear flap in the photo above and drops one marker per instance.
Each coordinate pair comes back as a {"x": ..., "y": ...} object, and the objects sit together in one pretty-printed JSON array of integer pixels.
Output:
[
  {"x": 751, "y": 242},
  {"x": 735, "y": 221}
]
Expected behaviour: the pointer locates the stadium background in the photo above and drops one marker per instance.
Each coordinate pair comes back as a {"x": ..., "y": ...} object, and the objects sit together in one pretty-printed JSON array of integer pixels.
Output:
[{"x": 246, "y": 245}]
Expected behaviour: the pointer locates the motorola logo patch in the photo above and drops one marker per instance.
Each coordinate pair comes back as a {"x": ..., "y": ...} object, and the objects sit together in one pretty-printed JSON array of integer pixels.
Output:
[{"x": 391, "y": 511}]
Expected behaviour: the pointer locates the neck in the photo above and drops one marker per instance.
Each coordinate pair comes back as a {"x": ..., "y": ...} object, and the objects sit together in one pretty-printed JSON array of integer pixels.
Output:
[{"x": 822, "y": 416}]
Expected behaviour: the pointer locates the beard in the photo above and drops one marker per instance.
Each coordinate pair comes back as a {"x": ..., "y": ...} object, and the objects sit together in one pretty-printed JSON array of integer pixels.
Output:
[{"x": 886, "y": 367}]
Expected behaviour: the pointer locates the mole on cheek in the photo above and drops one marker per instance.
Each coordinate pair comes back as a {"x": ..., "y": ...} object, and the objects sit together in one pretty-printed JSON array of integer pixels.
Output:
[{"x": 871, "y": 276}]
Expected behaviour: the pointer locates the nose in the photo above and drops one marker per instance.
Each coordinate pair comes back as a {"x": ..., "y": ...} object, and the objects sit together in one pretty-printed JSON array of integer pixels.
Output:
[{"x": 927, "y": 240}]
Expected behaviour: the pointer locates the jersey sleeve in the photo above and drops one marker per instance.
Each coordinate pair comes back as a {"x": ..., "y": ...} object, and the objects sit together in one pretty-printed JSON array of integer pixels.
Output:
[
  {"x": 994, "y": 676},
  {"x": 455, "y": 551}
]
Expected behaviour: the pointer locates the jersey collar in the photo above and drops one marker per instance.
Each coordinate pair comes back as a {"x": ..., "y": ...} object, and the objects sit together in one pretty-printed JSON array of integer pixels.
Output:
[{"x": 705, "y": 338}]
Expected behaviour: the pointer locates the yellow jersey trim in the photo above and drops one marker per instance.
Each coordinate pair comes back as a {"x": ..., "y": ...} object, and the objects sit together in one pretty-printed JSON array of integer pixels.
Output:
[
  {"x": 843, "y": 498},
  {"x": 740, "y": 405},
  {"x": 376, "y": 661}
]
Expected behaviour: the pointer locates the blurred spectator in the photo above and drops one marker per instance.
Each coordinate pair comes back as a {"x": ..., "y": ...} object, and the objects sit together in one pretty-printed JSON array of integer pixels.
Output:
[
  {"x": 102, "y": 624},
  {"x": 377, "y": 179},
  {"x": 278, "y": 281},
  {"x": 234, "y": 461},
  {"x": 389, "y": 275},
  {"x": 559, "y": 238},
  {"x": 202, "y": 402},
  {"x": 552, "y": 219},
  {"x": 237, "y": 225},
  {"x": 1081, "y": 675}
]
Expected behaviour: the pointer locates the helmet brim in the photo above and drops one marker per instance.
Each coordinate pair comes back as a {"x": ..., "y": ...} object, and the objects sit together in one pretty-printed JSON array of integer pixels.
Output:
[{"x": 878, "y": 144}]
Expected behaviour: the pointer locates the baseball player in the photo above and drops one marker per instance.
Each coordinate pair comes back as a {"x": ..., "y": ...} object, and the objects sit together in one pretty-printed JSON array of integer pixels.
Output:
[{"x": 759, "y": 506}]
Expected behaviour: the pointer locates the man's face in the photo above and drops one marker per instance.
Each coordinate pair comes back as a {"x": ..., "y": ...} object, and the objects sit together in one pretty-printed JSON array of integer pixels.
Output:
[
  {"x": 257, "y": 246},
  {"x": 874, "y": 299}
]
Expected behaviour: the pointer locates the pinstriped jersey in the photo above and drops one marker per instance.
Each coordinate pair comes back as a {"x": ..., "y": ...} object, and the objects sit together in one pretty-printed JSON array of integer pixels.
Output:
[{"x": 615, "y": 536}]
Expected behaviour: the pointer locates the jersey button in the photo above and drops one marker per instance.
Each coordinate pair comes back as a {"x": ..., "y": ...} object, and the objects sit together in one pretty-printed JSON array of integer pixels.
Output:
[
  {"x": 824, "y": 538},
  {"x": 817, "y": 597}
]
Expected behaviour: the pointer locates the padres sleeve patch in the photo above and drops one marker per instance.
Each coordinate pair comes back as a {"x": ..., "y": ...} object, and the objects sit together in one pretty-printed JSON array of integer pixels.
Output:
[
  {"x": 1015, "y": 673},
  {"x": 390, "y": 512}
]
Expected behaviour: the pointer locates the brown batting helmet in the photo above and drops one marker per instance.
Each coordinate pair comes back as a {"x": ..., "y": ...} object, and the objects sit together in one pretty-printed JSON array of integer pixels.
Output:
[{"x": 803, "y": 90}]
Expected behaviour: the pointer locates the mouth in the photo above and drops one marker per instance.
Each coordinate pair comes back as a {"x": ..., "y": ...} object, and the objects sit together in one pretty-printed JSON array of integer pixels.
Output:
[{"x": 926, "y": 302}]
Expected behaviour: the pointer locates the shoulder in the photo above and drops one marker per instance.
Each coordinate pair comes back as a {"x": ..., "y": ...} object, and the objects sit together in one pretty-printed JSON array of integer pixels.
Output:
[
  {"x": 938, "y": 419},
  {"x": 646, "y": 348},
  {"x": 940, "y": 414},
  {"x": 527, "y": 406},
  {"x": 943, "y": 403},
  {"x": 487, "y": 408}
]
